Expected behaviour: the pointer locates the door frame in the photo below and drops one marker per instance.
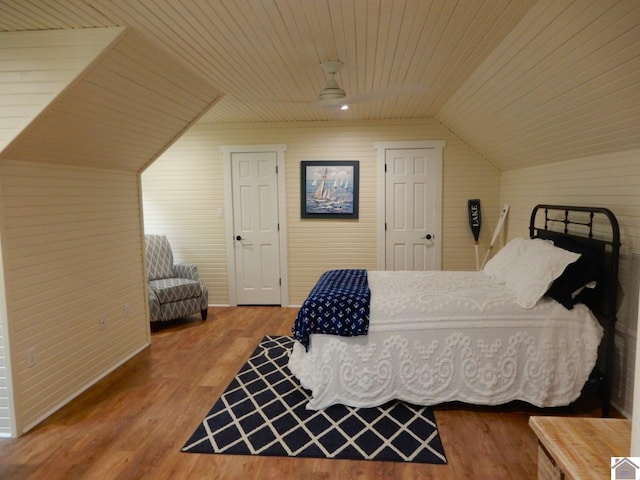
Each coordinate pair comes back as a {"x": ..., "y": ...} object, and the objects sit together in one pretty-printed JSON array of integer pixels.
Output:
[
  {"x": 382, "y": 147},
  {"x": 227, "y": 152}
]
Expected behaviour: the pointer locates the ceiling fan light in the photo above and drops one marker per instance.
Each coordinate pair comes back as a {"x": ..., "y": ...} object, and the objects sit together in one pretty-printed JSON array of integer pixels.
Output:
[
  {"x": 344, "y": 107},
  {"x": 332, "y": 93},
  {"x": 332, "y": 90}
]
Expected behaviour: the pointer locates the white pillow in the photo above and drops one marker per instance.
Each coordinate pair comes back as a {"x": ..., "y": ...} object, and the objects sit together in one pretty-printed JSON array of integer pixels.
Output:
[
  {"x": 529, "y": 267},
  {"x": 503, "y": 261}
]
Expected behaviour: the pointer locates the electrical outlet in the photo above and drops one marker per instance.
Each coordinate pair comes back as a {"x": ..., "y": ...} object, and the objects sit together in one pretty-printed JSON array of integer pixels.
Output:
[
  {"x": 102, "y": 322},
  {"x": 126, "y": 311},
  {"x": 32, "y": 359}
]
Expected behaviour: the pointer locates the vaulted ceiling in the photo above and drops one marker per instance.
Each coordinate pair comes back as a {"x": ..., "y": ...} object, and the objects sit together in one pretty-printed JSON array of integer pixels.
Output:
[{"x": 523, "y": 82}]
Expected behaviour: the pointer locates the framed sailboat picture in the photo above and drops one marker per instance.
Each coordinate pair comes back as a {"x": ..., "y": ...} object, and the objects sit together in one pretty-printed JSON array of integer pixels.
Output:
[{"x": 329, "y": 188}]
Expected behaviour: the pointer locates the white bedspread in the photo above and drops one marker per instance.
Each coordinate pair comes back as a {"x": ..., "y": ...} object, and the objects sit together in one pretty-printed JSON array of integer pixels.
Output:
[{"x": 452, "y": 336}]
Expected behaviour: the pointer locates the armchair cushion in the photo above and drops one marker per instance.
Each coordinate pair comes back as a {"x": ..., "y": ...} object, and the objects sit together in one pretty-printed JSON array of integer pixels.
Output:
[{"x": 173, "y": 289}]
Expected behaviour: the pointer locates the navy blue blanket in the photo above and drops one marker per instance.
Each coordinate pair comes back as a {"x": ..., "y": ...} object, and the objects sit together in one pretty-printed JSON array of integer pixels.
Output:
[{"x": 338, "y": 305}]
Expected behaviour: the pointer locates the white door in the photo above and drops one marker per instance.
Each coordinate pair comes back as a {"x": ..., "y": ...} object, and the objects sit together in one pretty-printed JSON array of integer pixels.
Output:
[
  {"x": 412, "y": 209},
  {"x": 255, "y": 227}
]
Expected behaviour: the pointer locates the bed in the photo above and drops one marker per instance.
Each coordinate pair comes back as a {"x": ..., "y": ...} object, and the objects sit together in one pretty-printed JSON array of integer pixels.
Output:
[{"x": 535, "y": 325}]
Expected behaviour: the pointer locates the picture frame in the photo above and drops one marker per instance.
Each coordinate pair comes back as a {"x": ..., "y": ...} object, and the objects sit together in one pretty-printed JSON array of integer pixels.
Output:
[{"x": 329, "y": 189}]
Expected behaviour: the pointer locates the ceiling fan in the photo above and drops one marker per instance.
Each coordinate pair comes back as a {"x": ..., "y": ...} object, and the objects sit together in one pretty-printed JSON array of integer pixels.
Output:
[
  {"x": 333, "y": 95},
  {"x": 332, "y": 92}
]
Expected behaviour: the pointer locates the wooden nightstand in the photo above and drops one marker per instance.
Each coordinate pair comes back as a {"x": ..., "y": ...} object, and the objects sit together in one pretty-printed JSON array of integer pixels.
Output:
[{"x": 576, "y": 448}]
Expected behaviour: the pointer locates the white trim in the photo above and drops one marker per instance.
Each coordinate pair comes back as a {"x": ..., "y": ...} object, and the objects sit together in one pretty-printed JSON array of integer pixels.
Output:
[
  {"x": 143, "y": 249},
  {"x": 382, "y": 147},
  {"x": 6, "y": 333},
  {"x": 279, "y": 149}
]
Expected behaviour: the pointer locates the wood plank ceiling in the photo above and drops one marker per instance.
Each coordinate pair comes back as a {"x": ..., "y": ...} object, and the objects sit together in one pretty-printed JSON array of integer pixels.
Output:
[{"x": 523, "y": 82}]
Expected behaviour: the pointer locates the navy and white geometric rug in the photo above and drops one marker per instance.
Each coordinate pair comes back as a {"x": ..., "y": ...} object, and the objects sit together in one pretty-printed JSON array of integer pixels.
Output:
[{"x": 262, "y": 412}]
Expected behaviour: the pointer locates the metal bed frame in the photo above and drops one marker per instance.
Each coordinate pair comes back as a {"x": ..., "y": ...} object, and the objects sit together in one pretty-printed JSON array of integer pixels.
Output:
[{"x": 576, "y": 222}]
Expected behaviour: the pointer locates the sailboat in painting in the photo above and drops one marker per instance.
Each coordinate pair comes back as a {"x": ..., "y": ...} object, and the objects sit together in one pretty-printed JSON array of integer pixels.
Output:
[{"x": 323, "y": 191}]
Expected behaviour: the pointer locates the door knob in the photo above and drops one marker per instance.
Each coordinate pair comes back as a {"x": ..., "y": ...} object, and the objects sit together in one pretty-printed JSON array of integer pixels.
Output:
[
  {"x": 428, "y": 236},
  {"x": 238, "y": 238}
]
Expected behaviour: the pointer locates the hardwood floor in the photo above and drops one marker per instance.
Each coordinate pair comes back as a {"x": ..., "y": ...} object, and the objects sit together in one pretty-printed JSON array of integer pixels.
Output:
[{"x": 132, "y": 424}]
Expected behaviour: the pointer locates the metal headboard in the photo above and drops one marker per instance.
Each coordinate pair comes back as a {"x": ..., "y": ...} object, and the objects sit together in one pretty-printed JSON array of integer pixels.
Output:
[{"x": 596, "y": 228}]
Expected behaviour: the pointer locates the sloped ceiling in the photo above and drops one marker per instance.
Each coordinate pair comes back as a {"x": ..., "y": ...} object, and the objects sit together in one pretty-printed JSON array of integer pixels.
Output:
[
  {"x": 120, "y": 112},
  {"x": 565, "y": 83},
  {"x": 523, "y": 82},
  {"x": 35, "y": 67}
]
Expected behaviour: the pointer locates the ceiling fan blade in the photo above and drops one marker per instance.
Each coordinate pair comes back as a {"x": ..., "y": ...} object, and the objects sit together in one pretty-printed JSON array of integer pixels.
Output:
[{"x": 390, "y": 92}]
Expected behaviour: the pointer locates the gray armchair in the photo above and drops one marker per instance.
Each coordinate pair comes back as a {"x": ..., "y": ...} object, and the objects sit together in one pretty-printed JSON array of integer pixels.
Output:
[{"x": 175, "y": 291}]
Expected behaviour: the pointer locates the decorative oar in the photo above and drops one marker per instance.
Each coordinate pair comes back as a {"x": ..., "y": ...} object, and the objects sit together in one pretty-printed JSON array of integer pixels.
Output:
[
  {"x": 475, "y": 222},
  {"x": 503, "y": 215}
]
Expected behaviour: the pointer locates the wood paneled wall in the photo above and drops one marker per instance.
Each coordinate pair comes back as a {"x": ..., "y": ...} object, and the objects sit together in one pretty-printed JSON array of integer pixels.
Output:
[
  {"x": 74, "y": 278},
  {"x": 610, "y": 181},
  {"x": 101, "y": 100},
  {"x": 183, "y": 190}
]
